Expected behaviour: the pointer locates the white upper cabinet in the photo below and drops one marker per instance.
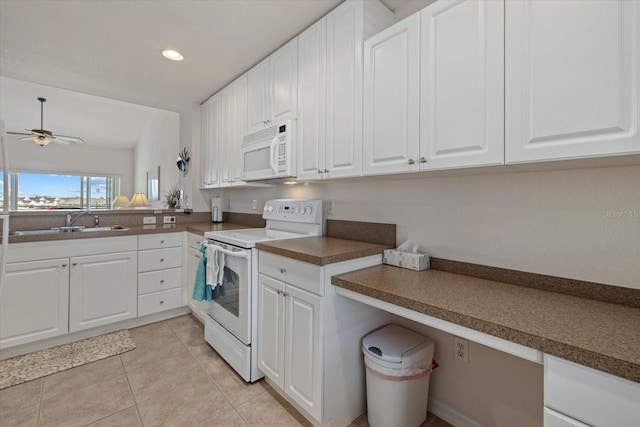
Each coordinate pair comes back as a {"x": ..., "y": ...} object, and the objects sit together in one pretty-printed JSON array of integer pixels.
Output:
[
  {"x": 224, "y": 123},
  {"x": 330, "y": 65},
  {"x": 434, "y": 95},
  {"x": 210, "y": 142},
  {"x": 312, "y": 84},
  {"x": 462, "y": 84},
  {"x": 572, "y": 72},
  {"x": 391, "y": 99},
  {"x": 272, "y": 88}
]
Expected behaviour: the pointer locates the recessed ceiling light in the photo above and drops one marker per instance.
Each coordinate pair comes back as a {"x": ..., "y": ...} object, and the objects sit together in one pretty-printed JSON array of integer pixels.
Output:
[{"x": 172, "y": 55}]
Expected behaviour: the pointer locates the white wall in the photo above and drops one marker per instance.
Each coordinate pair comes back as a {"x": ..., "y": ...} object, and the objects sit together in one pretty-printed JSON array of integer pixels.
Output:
[
  {"x": 159, "y": 145},
  {"x": 27, "y": 156},
  {"x": 582, "y": 223}
]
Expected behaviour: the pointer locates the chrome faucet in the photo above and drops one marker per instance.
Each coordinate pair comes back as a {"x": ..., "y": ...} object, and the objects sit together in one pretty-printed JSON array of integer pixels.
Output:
[{"x": 69, "y": 219}]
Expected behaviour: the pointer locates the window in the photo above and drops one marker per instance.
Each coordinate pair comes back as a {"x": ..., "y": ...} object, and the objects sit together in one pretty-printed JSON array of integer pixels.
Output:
[{"x": 30, "y": 191}]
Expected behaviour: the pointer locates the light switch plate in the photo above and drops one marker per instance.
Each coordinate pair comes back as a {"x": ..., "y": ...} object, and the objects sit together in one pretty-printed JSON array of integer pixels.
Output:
[{"x": 148, "y": 220}]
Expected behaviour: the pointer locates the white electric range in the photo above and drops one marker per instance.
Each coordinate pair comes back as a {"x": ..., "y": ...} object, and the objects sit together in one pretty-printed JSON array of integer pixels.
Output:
[{"x": 231, "y": 321}]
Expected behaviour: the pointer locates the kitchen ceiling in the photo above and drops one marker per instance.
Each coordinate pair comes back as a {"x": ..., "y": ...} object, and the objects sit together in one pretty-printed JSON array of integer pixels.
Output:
[{"x": 112, "y": 49}]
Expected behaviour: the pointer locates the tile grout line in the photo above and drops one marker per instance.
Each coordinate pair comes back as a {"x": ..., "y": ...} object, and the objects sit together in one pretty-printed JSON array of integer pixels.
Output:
[
  {"x": 135, "y": 401},
  {"x": 40, "y": 402}
]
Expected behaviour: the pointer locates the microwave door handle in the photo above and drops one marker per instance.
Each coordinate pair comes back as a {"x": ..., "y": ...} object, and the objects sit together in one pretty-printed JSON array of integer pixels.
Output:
[
  {"x": 237, "y": 254},
  {"x": 272, "y": 157}
]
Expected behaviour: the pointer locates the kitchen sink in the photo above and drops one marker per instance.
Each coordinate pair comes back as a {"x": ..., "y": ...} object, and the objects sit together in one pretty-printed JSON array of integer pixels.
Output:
[
  {"x": 107, "y": 228},
  {"x": 75, "y": 229},
  {"x": 35, "y": 232}
]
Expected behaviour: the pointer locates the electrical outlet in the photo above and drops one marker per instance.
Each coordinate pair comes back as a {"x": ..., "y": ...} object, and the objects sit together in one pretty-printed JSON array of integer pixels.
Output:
[
  {"x": 329, "y": 207},
  {"x": 461, "y": 349},
  {"x": 254, "y": 205},
  {"x": 149, "y": 220},
  {"x": 169, "y": 219}
]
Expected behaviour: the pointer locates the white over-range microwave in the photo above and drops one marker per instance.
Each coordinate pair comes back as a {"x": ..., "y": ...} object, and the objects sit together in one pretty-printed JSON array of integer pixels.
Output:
[{"x": 270, "y": 153}]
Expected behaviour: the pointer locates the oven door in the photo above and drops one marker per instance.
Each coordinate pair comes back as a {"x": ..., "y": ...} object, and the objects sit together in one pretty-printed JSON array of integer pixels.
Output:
[{"x": 233, "y": 310}]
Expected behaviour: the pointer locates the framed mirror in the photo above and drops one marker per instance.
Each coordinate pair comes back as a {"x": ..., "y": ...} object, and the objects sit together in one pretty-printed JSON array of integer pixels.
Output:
[{"x": 153, "y": 183}]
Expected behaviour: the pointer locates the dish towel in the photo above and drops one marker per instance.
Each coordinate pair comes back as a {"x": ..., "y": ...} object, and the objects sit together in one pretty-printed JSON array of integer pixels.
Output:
[
  {"x": 214, "y": 272},
  {"x": 200, "y": 285}
]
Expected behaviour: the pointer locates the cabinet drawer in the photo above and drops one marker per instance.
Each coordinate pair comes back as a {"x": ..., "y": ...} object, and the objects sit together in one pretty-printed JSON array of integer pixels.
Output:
[
  {"x": 591, "y": 396},
  {"x": 194, "y": 240},
  {"x": 157, "y": 241},
  {"x": 158, "y": 259},
  {"x": 556, "y": 419},
  {"x": 300, "y": 274},
  {"x": 159, "y": 301},
  {"x": 160, "y": 280}
]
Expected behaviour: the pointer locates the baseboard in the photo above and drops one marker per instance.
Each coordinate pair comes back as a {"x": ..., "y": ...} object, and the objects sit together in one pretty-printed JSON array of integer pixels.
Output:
[{"x": 454, "y": 418}]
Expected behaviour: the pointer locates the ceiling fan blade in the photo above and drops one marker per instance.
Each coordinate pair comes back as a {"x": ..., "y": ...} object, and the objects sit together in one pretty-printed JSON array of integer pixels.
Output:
[
  {"x": 62, "y": 139},
  {"x": 19, "y": 133}
]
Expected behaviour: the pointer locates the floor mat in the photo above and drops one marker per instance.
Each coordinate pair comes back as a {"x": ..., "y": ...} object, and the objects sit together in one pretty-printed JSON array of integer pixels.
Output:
[{"x": 41, "y": 363}]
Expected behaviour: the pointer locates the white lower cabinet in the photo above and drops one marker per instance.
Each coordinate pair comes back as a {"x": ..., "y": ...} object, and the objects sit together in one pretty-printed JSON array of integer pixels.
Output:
[
  {"x": 309, "y": 338},
  {"x": 102, "y": 290},
  {"x": 159, "y": 272},
  {"x": 89, "y": 283},
  {"x": 289, "y": 340},
  {"x": 35, "y": 301},
  {"x": 576, "y": 395}
]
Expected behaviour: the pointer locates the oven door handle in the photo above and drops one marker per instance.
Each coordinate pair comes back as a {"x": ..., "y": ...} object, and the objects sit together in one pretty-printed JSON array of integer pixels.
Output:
[{"x": 237, "y": 254}]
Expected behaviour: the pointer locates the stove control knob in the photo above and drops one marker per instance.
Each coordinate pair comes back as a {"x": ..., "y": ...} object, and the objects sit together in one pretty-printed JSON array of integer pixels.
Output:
[
  {"x": 265, "y": 208},
  {"x": 300, "y": 210},
  {"x": 308, "y": 210},
  {"x": 270, "y": 208}
]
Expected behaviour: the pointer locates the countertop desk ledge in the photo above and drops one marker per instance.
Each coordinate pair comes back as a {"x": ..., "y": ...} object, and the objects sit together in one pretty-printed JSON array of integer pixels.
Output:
[
  {"x": 322, "y": 250},
  {"x": 600, "y": 335}
]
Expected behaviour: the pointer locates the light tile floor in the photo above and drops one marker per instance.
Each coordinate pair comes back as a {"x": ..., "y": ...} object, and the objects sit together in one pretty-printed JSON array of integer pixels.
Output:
[{"x": 172, "y": 378}]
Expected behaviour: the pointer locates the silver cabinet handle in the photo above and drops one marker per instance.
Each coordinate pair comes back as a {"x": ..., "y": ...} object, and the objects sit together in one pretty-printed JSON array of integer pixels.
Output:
[
  {"x": 283, "y": 270},
  {"x": 286, "y": 294},
  {"x": 64, "y": 265},
  {"x": 423, "y": 160},
  {"x": 161, "y": 301},
  {"x": 411, "y": 161},
  {"x": 319, "y": 171},
  {"x": 326, "y": 171},
  {"x": 162, "y": 281},
  {"x": 75, "y": 263},
  {"x": 162, "y": 242},
  {"x": 161, "y": 259},
  {"x": 279, "y": 292}
]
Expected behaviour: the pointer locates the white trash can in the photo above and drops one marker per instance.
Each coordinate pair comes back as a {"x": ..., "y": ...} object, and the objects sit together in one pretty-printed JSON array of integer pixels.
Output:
[{"x": 398, "y": 363}]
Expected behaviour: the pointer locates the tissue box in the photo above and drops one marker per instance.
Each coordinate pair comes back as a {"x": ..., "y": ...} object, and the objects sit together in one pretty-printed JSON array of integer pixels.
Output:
[{"x": 409, "y": 260}]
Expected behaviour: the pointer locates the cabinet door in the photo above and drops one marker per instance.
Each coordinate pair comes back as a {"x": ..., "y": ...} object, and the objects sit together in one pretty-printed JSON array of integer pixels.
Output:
[
  {"x": 303, "y": 356},
  {"x": 238, "y": 127},
  {"x": 344, "y": 90},
  {"x": 462, "y": 80},
  {"x": 391, "y": 134},
  {"x": 258, "y": 97},
  {"x": 102, "y": 289},
  {"x": 225, "y": 122},
  {"x": 271, "y": 329},
  {"x": 210, "y": 142},
  {"x": 572, "y": 86},
  {"x": 35, "y": 301},
  {"x": 283, "y": 76},
  {"x": 312, "y": 75},
  {"x": 193, "y": 259},
  {"x": 205, "y": 135}
]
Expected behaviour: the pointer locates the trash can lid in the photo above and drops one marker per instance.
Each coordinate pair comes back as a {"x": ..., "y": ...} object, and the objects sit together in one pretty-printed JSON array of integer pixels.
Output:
[{"x": 391, "y": 342}]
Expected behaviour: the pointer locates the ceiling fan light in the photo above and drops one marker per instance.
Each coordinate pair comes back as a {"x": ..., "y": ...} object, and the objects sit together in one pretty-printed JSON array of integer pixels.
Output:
[
  {"x": 42, "y": 139},
  {"x": 172, "y": 55}
]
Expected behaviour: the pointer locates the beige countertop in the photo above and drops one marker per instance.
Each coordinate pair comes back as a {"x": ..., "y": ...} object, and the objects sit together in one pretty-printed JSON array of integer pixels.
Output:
[
  {"x": 321, "y": 250},
  {"x": 196, "y": 227},
  {"x": 597, "y": 334}
]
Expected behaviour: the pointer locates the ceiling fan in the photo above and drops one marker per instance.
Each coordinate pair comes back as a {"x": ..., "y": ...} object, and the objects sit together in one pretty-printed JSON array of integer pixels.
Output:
[{"x": 43, "y": 137}]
